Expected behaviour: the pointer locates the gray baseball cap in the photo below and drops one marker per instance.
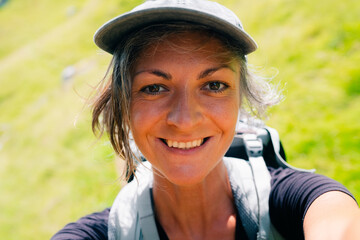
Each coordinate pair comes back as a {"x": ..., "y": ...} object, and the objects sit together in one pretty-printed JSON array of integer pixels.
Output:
[{"x": 203, "y": 12}]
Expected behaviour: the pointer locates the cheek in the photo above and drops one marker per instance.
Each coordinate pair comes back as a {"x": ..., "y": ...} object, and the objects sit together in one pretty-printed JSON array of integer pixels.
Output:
[
  {"x": 144, "y": 119},
  {"x": 224, "y": 112},
  {"x": 136, "y": 115},
  {"x": 144, "y": 112},
  {"x": 138, "y": 125},
  {"x": 226, "y": 107},
  {"x": 139, "y": 118}
]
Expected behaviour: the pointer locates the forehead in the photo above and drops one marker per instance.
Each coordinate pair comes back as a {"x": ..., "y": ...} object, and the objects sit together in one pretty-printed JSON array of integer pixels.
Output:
[{"x": 191, "y": 43}]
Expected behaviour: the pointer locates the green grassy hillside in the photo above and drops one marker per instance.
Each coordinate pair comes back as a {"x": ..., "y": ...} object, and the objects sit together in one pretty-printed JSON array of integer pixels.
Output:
[{"x": 54, "y": 171}]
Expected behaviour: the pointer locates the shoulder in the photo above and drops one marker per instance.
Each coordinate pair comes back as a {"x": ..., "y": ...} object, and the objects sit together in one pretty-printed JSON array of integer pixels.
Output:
[
  {"x": 93, "y": 226},
  {"x": 292, "y": 193},
  {"x": 304, "y": 186}
]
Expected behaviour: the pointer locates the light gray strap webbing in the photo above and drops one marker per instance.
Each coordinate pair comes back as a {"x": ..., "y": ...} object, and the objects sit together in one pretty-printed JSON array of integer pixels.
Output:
[
  {"x": 128, "y": 213},
  {"x": 262, "y": 185},
  {"x": 123, "y": 217},
  {"x": 261, "y": 178},
  {"x": 242, "y": 185},
  {"x": 146, "y": 216}
]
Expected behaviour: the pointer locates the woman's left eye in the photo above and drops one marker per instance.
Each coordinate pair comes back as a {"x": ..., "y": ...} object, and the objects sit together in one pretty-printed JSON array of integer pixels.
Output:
[
  {"x": 215, "y": 86},
  {"x": 153, "y": 89}
]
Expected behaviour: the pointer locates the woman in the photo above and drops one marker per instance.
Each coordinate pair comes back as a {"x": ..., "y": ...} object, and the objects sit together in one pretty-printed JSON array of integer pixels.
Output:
[{"x": 178, "y": 83}]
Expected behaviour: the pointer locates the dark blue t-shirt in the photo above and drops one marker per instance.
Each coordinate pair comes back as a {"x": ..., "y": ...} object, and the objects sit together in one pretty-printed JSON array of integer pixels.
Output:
[{"x": 292, "y": 193}]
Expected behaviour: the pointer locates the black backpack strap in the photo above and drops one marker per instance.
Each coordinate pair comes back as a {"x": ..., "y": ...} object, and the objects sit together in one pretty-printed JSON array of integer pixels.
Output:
[
  {"x": 275, "y": 141},
  {"x": 272, "y": 151}
]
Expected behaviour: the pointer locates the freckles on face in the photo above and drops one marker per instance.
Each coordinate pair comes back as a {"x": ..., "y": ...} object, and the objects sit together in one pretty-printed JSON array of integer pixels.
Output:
[{"x": 184, "y": 106}]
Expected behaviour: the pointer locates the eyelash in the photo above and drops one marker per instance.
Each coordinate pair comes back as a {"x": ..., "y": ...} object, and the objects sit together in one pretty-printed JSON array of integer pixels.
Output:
[
  {"x": 147, "y": 90},
  {"x": 221, "y": 89},
  {"x": 205, "y": 87}
]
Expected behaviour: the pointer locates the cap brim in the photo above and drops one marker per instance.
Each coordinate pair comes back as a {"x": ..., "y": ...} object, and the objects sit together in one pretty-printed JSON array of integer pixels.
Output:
[{"x": 112, "y": 32}]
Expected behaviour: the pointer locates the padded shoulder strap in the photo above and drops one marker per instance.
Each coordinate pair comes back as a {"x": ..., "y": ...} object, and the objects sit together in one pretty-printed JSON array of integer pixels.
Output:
[
  {"x": 250, "y": 182},
  {"x": 262, "y": 185},
  {"x": 124, "y": 214},
  {"x": 242, "y": 185},
  {"x": 148, "y": 230},
  {"x": 131, "y": 216}
]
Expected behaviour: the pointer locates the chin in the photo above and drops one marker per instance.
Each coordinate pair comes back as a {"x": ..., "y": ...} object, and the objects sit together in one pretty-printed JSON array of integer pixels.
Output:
[{"x": 183, "y": 176}]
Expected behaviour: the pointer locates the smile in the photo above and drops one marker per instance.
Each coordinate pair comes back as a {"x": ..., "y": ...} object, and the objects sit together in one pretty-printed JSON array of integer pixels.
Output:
[{"x": 184, "y": 145}]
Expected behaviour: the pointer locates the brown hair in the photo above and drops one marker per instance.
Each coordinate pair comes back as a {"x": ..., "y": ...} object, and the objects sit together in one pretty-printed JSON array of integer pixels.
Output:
[{"x": 111, "y": 106}]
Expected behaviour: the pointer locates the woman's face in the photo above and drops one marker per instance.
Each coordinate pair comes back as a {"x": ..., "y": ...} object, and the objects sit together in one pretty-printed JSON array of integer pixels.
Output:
[{"x": 184, "y": 106}]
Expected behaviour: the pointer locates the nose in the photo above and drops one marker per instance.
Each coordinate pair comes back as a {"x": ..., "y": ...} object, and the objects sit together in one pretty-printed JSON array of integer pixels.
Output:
[{"x": 185, "y": 111}]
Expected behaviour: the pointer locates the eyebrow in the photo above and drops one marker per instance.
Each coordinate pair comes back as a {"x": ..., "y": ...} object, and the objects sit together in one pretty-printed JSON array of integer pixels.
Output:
[
  {"x": 156, "y": 72},
  {"x": 210, "y": 71},
  {"x": 202, "y": 74}
]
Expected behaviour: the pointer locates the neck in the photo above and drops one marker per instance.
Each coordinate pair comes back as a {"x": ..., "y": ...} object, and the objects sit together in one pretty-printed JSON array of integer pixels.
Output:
[{"x": 201, "y": 211}]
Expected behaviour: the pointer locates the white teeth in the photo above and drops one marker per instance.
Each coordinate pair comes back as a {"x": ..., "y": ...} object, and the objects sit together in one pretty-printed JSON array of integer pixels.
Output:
[{"x": 184, "y": 145}]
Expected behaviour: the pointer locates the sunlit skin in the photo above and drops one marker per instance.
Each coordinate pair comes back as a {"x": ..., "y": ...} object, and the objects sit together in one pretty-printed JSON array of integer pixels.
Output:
[
  {"x": 187, "y": 96},
  {"x": 183, "y": 112}
]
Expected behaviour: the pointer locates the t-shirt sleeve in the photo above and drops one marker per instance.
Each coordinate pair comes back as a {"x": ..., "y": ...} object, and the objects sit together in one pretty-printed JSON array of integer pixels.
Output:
[
  {"x": 90, "y": 227},
  {"x": 292, "y": 193}
]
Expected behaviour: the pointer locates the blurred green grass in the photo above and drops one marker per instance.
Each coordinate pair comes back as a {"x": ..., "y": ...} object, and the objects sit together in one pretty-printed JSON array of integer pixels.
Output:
[{"x": 54, "y": 171}]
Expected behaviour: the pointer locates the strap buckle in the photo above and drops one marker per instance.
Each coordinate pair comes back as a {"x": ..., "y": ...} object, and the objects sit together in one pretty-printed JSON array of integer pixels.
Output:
[{"x": 253, "y": 145}]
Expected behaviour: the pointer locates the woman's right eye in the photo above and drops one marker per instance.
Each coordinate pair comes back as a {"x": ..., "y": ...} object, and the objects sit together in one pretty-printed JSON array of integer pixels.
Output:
[{"x": 153, "y": 89}]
